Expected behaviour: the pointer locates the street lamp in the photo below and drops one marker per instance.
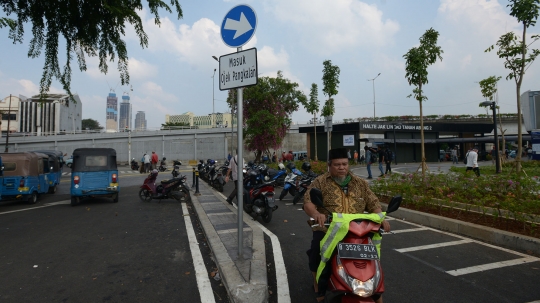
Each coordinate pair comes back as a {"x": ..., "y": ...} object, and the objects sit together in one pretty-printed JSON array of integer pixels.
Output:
[
  {"x": 213, "y": 110},
  {"x": 374, "y": 93},
  {"x": 395, "y": 146},
  {"x": 493, "y": 107}
]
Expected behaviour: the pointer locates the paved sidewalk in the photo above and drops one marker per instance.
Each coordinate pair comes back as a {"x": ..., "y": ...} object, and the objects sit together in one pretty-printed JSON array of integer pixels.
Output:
[{"x": 245, "y": 277}]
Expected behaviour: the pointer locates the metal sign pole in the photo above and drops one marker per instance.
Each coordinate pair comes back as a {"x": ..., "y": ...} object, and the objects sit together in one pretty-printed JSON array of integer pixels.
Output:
[{"x": 240, "y": 168}]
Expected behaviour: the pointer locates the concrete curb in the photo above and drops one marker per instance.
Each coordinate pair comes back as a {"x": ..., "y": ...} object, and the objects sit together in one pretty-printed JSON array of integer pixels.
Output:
[
  {"x": 482, "y": 233},
  {"x": 239, "y": 290}
]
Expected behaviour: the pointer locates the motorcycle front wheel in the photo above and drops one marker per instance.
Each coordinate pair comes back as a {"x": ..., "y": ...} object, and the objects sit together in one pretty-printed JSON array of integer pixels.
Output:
[
  {"x": 297, "y": 197},
  {"x": 145, "y": 195},
  {"x": 267, "y": 216},
  {"x": 283, "y": 194}
]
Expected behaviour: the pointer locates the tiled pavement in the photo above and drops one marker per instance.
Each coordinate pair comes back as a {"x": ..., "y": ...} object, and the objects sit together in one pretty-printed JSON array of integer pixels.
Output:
[{"x": 245, "y": 276}]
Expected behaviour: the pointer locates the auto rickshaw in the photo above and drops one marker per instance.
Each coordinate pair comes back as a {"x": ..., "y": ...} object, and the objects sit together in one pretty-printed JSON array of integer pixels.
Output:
[
  {"x": 94, "y": 173},
  {"x": 55, "y": 162},
  {"x": 25, "y": 176}
]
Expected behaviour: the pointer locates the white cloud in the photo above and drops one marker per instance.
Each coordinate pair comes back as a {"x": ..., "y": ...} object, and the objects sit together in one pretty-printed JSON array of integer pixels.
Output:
[{"x": 336, "y": 25}]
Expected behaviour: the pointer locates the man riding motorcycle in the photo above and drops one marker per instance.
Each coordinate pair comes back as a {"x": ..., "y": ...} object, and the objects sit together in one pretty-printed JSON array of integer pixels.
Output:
[{"x": 342, "y": 192}]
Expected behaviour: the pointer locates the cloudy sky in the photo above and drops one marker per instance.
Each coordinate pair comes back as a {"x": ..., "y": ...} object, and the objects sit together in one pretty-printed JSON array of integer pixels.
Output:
[{"x": 364, "y": 38}]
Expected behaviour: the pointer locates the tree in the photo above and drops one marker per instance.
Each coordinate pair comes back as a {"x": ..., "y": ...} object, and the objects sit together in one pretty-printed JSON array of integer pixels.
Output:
[
  {"x": 330, "y": 85},
  {"x": 89, "y": 28},
  {"x": 488, "y": 87},
  {"x": 91, "y": 124},
  {"x": 174, "y": 125},
  {"x": 312, "y": 107},
  {"x": 266, "y": 112},
  {"x": 514, "y": 50},
  {"x": 418, "y": 59}
]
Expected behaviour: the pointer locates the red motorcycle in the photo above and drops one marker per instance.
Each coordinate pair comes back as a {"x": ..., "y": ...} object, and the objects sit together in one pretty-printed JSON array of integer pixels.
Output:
[
  {"x": 355, "y": 273},
  {"x": 175, "y": 188}
]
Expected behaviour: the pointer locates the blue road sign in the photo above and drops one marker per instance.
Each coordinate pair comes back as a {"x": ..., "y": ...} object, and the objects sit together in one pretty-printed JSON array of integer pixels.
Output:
[{"x": 238, "y": 26}]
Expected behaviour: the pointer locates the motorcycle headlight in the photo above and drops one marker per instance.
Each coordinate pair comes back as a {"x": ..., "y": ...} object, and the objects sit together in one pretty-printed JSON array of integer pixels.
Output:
[{"x": 361, "y": 288}]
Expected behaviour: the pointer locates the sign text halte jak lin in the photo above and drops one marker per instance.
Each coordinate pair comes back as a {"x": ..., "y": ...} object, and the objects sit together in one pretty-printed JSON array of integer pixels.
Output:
[{"x": 245, "y": 73}]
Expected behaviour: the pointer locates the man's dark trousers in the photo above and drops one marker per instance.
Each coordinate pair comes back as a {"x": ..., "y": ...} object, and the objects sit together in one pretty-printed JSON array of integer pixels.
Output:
[{"x": 233, "y": 194}]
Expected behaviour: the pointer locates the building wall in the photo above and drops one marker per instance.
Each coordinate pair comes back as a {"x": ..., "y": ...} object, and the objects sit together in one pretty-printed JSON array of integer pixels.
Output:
[
  {"x": 218, "y": 120},
  {"x": 125, "y": 114},
  {"x": 140, "y": 121},
  {"x": 56, "y": 113},
  {"x": 13, "y": 117}
]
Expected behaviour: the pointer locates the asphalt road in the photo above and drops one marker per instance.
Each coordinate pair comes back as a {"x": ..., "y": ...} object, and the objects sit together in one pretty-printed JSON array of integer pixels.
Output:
[
  {"x": 445, "y": 271},
  {"x": 101, "y": 251}
]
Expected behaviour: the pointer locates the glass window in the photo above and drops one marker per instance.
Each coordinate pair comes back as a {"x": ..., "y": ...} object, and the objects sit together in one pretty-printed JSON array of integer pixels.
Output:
[
  {"x": 10, "y": 166},
  {"x": 96, "y": 161}
]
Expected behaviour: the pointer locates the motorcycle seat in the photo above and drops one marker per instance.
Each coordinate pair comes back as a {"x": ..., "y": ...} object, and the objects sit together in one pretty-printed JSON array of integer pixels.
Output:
[{"x": 167, "y": 181}]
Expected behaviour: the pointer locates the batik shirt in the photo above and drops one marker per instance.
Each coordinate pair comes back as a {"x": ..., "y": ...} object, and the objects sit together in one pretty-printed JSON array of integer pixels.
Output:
[{"x": 359, "y": 197}]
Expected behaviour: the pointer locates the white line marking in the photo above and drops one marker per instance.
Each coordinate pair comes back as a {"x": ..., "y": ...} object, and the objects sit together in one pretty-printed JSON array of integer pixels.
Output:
[
  {"x": 14, "y": 211},
  {"x": 471, "y": 240},
  {"x": 406, "y": 230},
  {"x": 282, "y": 280},
  {"x": 473, "y": 269},
  {"x": 203, "y": 282},
  {"x": 402, "y": 250},
  {"x": 44, "y": 205}
]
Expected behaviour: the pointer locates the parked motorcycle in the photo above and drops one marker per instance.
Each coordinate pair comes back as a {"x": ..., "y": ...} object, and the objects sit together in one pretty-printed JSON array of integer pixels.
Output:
[
  {"x": 290, "y": 181},
  {"x": 302, "y": 184},
  {"x": 134, "y": 164},
  {"x": 260, "y": 200},
  {"x": 176, "y": 188},
  {"x": 355, "y": 273},
  {"x": 176, "y": 168},
  {"x": 301, "y": 188},
  {"x": 215, "y": 177},
  {"x": 277, "y": 175},
  {"x": 163, "y": 165}
]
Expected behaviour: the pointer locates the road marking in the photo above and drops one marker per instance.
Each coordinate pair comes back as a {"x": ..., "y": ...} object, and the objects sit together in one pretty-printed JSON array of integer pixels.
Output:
[
  {"x": 416, "y": 248},
  {"x": 282, "y": 280},
  {"x": 203, "y": 283},
  {"x": 31, "y": 208},
  {"x": 221, "y": 214},
  {"x": 407, "y": 230},
  {"x": 483, "y": 267}
]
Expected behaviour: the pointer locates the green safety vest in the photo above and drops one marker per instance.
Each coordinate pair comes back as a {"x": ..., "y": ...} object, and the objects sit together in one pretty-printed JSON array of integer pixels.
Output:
[{"x": 338, "y": 229}]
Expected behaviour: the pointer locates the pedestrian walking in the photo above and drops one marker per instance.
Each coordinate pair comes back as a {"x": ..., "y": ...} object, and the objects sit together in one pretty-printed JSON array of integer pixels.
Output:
[
  {"x": 154, "y": 160},
  {"x": 380, "y": 152},
  {"x": 355, "y": 157},
  {"x": 472, "y": 161},
  {"x": 493, "y": 154},
  {"x": 233, "y": 170},
  {"x": 146, "y": 163},
  {"x": 349, "y": 156},
  {"x": 455, "y": 155},
  {"x": 142, "y": 168},
  {"x": 368, "y": 161},
  {"x": 388, "y": 157}
]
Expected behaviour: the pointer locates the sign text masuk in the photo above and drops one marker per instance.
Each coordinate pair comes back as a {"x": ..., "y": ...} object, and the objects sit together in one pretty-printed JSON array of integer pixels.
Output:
[{"x": 238, "y": 69}]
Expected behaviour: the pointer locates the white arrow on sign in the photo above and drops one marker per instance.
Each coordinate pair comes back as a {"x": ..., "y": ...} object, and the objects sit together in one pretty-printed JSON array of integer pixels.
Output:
[{"x": 241, "y": 27}]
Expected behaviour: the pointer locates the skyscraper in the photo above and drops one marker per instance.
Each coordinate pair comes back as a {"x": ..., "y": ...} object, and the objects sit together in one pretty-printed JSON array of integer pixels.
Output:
[
  {"x": 125, "y": 113},
  {"x": 140, "y": 121},
  {"x": 111, "y": 123}
]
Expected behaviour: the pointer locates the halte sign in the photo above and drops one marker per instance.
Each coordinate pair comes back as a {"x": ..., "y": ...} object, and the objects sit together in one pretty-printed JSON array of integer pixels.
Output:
[{"x": 238, "y": 69}]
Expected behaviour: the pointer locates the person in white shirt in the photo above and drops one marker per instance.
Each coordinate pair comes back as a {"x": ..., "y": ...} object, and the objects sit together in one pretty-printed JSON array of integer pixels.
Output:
[
  {"x": 472, "y": 161},
  {"x": 233, "y": 170}
]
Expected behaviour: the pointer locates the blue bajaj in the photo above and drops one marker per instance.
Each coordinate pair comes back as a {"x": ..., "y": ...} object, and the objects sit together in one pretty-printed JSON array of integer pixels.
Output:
[
  {"x": 94, "y": 174},
  {"x": 25, "y": 176},
  {"x": 56, "y": 163}
]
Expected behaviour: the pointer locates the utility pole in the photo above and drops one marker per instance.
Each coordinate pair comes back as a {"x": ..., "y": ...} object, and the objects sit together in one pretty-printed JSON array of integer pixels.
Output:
[
  {"x": 374, "y": 94},
  {"x": 7, "y": 133}
]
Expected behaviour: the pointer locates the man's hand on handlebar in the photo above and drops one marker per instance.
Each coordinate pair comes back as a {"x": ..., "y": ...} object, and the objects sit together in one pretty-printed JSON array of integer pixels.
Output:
[
  {"x": 385, "y": 226},
  {"x": 320, "y": 219}
]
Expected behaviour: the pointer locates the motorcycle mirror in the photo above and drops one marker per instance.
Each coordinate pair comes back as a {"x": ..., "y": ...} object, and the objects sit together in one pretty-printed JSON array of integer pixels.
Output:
[
  {"x": 316, "y": 196},
  {"x": 394, "y": 204}
]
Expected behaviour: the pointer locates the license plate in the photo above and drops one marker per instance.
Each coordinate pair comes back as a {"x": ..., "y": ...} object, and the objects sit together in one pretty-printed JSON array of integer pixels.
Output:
[{"x": 357, "y": 251}]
